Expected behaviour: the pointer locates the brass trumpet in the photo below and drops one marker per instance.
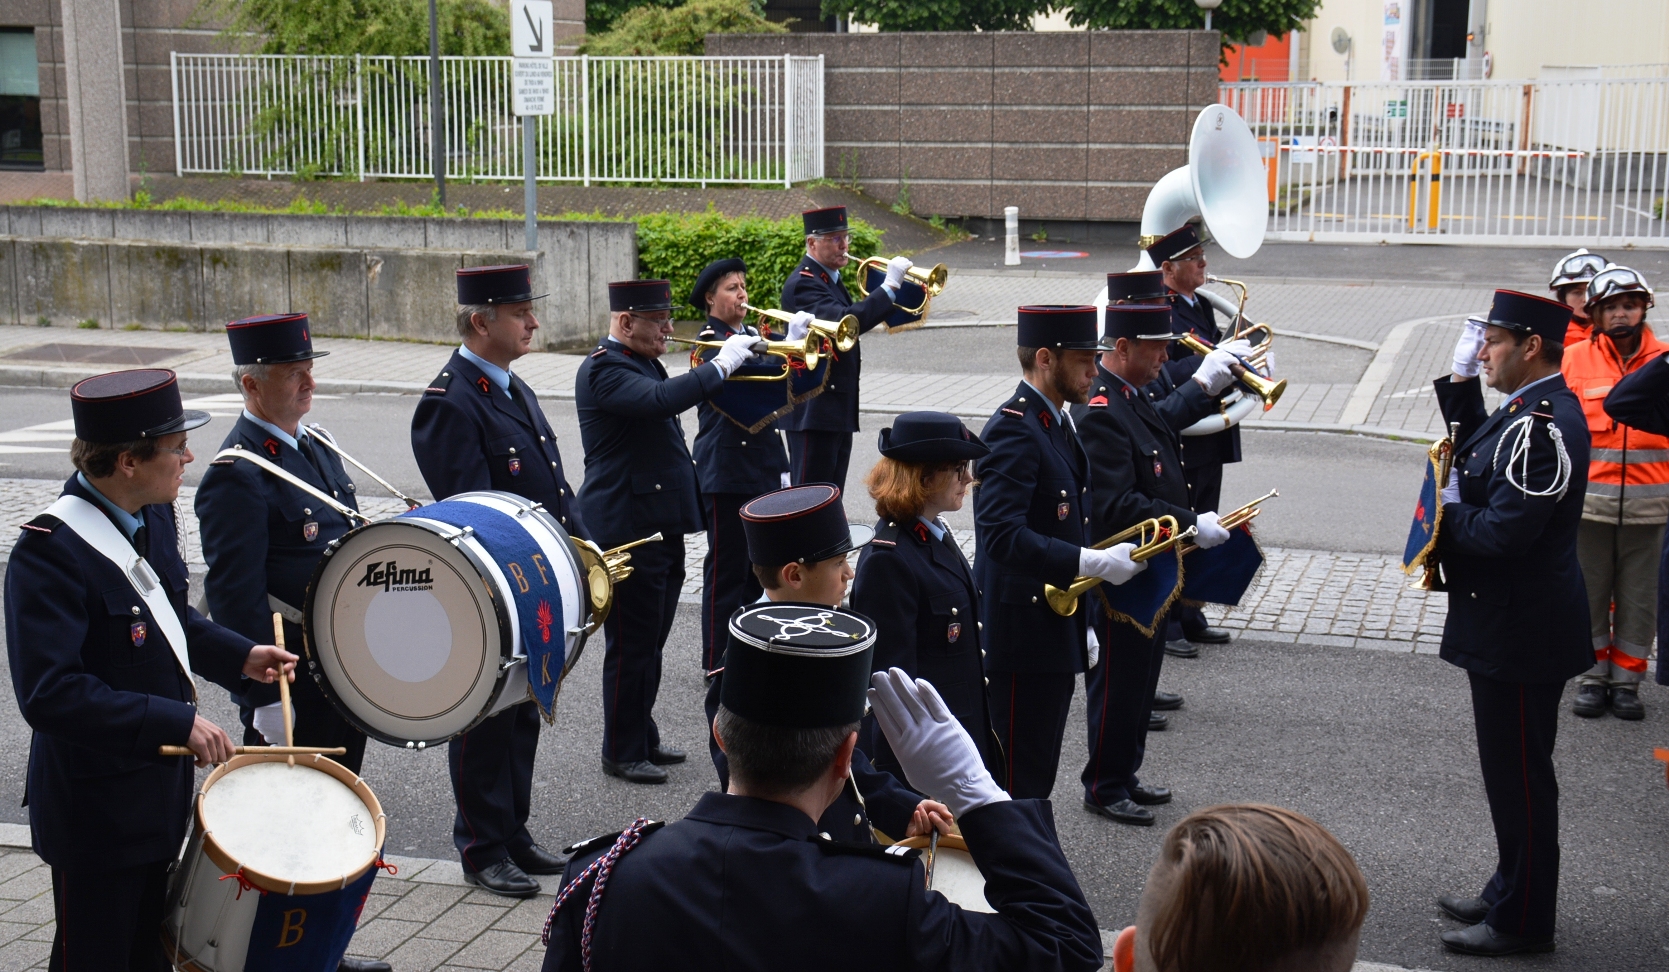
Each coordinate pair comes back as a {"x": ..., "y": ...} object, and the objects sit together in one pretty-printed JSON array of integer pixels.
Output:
[
  {"x": 603, "y": 570},
  {"x": 932, "y": 281},
  {"x": 1153, "y": 537},
  {"x": 843, "y": 334},
  {"x": 809, "y": 349},
  {"x": 1230, "y": 520},
  {"x": 1268, "y": 389}
]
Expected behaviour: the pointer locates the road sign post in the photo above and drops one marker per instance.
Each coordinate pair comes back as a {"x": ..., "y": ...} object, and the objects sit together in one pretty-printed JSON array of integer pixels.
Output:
[{"x": 533, "y": 93}]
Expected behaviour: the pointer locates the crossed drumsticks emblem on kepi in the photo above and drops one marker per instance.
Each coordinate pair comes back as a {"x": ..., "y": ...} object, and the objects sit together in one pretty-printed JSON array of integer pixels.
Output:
[{"x": 791, "y": 628}]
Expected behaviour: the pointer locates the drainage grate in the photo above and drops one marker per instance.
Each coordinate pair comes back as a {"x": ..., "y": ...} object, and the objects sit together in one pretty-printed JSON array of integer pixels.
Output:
[{"x": 114, "y": 354}]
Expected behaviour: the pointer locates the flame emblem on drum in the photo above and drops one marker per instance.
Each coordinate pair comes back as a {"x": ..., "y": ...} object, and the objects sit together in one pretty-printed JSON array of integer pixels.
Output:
[{"x": 544, "y": 620}]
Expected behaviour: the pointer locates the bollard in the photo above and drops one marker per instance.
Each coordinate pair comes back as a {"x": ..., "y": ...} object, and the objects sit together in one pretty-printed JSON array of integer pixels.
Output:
[{"x": 1011, "y": 243}]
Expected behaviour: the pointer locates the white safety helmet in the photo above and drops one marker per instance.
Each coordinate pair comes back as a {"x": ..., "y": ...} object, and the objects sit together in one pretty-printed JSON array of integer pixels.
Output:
[
  {"x": 1615, "y": 281},
  {"x": 1576, "y": 268}
]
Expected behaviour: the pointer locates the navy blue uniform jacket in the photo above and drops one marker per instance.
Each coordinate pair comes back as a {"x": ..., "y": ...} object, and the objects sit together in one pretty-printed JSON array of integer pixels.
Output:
[
  {"x": 1518, "y": 611},
  {"x": 468, "y": 435},
  {"x": 1219, "y": 447},
  {"x": 746, "y": 885},
  {"x": 729, "y": 458},
  {"x": 921, "y": 595},
  {"x": 811, "y": 288},
  {"x": 1134, "y": 445},
  {"x": 99, "y": 704},
  {"x": 1641, "y": 399},
  {"x": 639, "y": 477},
  {"x": 1031, "y": 517},
  {"x": 255, "y": 538}
]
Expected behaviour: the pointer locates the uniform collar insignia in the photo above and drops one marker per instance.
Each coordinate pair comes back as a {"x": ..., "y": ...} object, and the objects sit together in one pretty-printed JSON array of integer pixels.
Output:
[
  {"x": 921, "y": 531},
  {"x": 271, "y": 445},
  {"x": 485, "y": 384}
]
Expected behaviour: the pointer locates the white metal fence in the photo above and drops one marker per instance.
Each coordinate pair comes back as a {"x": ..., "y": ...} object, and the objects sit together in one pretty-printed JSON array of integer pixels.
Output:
[
  {"x": 1559, "y": 161},
  {"x": 618, "y": 119}
]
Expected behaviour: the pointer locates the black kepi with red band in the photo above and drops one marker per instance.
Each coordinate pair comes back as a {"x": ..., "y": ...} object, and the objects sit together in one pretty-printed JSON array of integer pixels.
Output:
[
  {"x": 636, "y": 296},
  {"x": 1136, "y": 285},
  {"x": 505, "y": 284},
  {"x": 800, "y": 525},
  {"x": 271, "y": 339},
  {"x": 1137, "y": 322},
  {"x": 126, "y": 406},
  {"x": 1174, "y": 244},
  {"x": 821, "y": 222},
  {"x": 1062, "y": 327},
  {"x": 1529, "y": 314}
]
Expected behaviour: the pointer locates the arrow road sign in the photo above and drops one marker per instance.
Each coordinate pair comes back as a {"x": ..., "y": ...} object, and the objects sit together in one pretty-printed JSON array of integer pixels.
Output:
[{"x": 530, "y": 28}]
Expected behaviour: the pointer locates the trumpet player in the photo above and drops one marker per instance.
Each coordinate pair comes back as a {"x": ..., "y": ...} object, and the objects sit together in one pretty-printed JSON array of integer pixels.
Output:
[
  {"x": 1134, "y": 448},
  {"x": 1180, "y": 256},
  {"x": 819, "y": 432},
  {"x": 1032, "y": 527}
]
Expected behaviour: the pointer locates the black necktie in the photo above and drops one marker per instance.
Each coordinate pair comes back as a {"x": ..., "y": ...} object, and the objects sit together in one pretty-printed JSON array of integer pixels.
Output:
[
  {"x": 142, "y": 540},
  {"x": 521, "y": 400},
  {"x": 304, "y": 445}
]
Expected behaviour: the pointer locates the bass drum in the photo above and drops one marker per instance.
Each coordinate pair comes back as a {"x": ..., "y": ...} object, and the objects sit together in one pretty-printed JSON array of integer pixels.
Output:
[
  {"x": 955, "y": 875},
  {"x": 418, "y": 627}
]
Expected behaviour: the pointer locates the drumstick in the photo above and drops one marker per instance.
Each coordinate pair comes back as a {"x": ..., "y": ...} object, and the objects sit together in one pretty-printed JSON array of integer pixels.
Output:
[
  {"x": 291, "y": 751},
  {"x": 932, "y": 849},
  {"x": 284, "y": 686}
]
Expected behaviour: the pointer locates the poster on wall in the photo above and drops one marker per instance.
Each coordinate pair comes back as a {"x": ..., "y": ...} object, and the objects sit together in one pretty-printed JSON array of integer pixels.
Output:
[{"x": 1394, "y": 48}]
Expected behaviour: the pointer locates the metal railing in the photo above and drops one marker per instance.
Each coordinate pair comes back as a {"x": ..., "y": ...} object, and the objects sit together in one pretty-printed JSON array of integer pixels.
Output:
[
  {"x": 618, "y": 119},
  {"x": 1560, "y": 161}
]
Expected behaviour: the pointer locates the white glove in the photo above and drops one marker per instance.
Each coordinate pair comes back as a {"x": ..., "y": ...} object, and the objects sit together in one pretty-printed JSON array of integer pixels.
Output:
[
  {"x": 737, "y": 349},
  {"x": 895, "y": 272},
  {"x": 1215, "y": 372},
  {"x": 1094, "y": 648},
  {"x": 1210, "y": 532},
  {"x": 1471, "y": 341},
  {"x": 1239, "y": 347},
  {"x": 799, "y": 326},
  {"x": 269, "y": 722},
  {"x": 935, "y": 752},
  {"x": 1451, "y": 491},
  {"x": 1112, "y": 565}
]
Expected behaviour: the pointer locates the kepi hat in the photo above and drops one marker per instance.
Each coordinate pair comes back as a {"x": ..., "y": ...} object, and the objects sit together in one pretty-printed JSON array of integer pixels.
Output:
[
  {"x": 640, "y": 295},
  {"x": 801, "y": 524},
  {"x": 505, "y": 284},
  {"x": 797, "y": 666},
  {"x": 126, "y": 406},
  {"x": 271, "y": 339},
  {"x": 1062, "y": 327}
]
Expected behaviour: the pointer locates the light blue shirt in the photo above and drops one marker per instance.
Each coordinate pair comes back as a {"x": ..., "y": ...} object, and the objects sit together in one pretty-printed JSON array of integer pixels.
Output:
[
  {"x": 933, "y": 527},
  {"x": 1053, "y": 411},
  {"x": 129, "y": 523},
  {"x": 494, "y": 373},
  {"x": 293, "y": 441}
]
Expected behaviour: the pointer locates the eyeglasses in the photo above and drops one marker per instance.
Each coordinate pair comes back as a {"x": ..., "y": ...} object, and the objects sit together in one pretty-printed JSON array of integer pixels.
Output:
[
  {"x": 180, "y": 452},
  {"x": 655, "y": 319}
]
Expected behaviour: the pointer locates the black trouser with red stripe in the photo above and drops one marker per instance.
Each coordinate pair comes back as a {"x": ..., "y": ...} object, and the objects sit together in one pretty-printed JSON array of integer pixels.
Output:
[
  {"x": 727, "y": 579},
  {"x": 1028, "y": 712},
  {"x": 491, "y": 767},
  {"x": 108, "y": 918},
  {"x": 815, "y": 456},
  {"x": 1516, "y": 725},
  {"x": 635, "y": 631},
  {"x": 1118, "y": 703}
]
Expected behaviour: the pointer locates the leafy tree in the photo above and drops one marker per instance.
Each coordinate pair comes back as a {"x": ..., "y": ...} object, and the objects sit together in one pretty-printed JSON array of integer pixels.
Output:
[
  {"x": 1236, "y": 19},
  {"x": 896, "y": 15},
  {"x": 652, "y": 29},
  {"x": 600, "y": 15},
  {"x": 401, "y": 27}
]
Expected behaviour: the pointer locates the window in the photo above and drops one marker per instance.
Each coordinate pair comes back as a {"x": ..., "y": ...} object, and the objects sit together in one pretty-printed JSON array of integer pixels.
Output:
[{"x": 20, "y": 100}]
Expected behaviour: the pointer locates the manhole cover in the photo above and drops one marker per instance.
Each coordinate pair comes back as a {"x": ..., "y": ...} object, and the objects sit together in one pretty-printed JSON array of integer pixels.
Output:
[{"x": 116, "y": 354}]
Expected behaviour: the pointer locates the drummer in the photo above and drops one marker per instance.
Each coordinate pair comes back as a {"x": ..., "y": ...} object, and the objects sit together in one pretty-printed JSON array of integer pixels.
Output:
[
  {"x": 478, "y": 426},
  {"x": 913, "y": 581},
  {"x": 100, "y": 670}
]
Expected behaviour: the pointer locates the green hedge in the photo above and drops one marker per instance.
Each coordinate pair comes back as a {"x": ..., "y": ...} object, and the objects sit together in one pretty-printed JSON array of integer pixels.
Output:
[{"x": 676, "y": 246}]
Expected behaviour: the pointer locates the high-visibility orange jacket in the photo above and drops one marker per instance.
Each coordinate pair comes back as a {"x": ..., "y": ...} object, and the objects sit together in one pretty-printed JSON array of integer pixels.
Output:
[
  {"x": 1628, "y": 470},
  {"x": 1576, "y": 332}
]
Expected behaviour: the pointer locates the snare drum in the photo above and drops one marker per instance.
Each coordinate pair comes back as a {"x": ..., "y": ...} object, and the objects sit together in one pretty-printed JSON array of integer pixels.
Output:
[
  {"x": 277, "y": 869},
  {"x": 955, "y": 875},
  {"x": 421, "y": 626}
]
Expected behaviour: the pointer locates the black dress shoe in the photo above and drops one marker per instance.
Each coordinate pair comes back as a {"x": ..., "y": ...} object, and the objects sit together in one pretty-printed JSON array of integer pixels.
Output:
[
  {"x": 363, "y": 965},
  {"x": 1591, "y": 701},
  {"x": 1481, "y": 939},
  {"x": 537, "y": 860},
  {"x": 1208, "y": 636},
  {"x": 1150, "y": 796},
  {"x": 664, "y": 755},
  {"x": 1470, "y": 910},
  {"x": 641, "y": 771},
  {"x": 1124, "y": 812},
  {"x": 1182, "y": 649},
  {"x": 1625, "y": 703},
  {"x": 504, "y": 879},
  {"x": 1166, "y": 701},
  {"x": 1157, "y": 722}
]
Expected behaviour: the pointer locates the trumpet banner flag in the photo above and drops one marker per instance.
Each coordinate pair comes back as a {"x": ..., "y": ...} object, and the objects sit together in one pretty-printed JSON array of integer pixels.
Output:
[
  {"x": 1143, "y": 600},
  {"x": 910, "y": 294},
  {"x": 1422, "y": 533},
  {"x": 1222, "y": 574},
  {"x": 755, "y": 404}
]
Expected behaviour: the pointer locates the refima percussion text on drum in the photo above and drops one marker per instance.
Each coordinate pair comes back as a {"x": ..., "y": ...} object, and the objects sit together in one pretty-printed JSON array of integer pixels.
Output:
[{"x": 389, "y": 576}]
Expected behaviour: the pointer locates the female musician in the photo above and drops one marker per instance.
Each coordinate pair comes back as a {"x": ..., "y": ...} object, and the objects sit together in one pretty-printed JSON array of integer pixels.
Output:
[{"x": 913, "y": 581}]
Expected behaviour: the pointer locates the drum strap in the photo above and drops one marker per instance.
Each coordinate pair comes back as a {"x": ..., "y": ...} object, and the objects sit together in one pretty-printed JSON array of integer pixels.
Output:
[
  {"x": 91, "y": 525},
  {"x": 294, "y": 480}
]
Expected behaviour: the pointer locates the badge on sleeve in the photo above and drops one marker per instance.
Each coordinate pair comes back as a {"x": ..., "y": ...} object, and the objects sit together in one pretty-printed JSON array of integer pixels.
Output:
[
  {"x": 953, "y": 632},
  {"x": 310, "y": 531},
  {"x": 1062, "y": 510},
  {"x": 515, "y": 466},
  {"x": 137, "y": 631}
]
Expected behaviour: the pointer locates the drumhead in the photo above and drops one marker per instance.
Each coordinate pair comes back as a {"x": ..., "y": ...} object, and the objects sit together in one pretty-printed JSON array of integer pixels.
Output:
[
  {"x": 955, "y": 875},
  {"x": 293, "y": 823}
]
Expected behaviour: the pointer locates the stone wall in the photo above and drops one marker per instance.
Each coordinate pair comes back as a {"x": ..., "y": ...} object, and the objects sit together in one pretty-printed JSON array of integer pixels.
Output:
[
  {"x": 1068, "y": 126},
  {"x": 388, "y": 277}
]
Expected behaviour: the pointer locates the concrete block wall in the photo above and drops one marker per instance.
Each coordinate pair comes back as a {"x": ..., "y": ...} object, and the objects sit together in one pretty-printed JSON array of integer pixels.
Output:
[
  {"x": 1069, "y": 126},
  {"x": 388, "y": 277}
]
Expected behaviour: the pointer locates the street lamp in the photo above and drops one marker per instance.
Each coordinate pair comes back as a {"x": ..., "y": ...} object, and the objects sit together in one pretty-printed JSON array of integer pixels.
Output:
[{"x": 1208, "y": 6}]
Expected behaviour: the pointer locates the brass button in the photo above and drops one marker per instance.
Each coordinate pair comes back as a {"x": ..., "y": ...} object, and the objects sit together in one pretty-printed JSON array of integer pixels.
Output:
[
  {"x": 744, "y": 442},
  {"x": 953, "y": 612},
  {"x": 553, "y": 465},
  {"x": 1034, "y": 598},
  {"x": 1021, "y": 400},
  {"x": 512, "y": 450},
  {"x": 657, "y": 487},
  {"x": 1063, "y": 494},
  {"x": 857, "y": 818},
  {"x": 136, "y": 609},
  {"x": 1474, "y": 595},
  {"x": 541, "y": 438},
  {"x": 825, "y": 835},
  {"x": 988, "y": 681},
  {"x": 446, "y": 374},
  {"x": 1086, "y": 519},
  {"x": 306, "y": 511},
  {"x": 565, "y": 521},
  {"x": 561, "y": 492},
  {"x": 981, "y": 625}
]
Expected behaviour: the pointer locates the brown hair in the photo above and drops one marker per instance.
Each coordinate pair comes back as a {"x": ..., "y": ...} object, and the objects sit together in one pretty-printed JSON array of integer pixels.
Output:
[
  {"x": 899, "y": 488},
  {"x": 98, "y": 459},
  {"x": 1250, "y": 885}
]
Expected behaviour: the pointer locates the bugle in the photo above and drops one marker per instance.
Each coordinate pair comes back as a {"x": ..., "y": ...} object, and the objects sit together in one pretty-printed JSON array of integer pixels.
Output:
[
  {"x": 1153, "y": 537},
  {"x": 1268, "y": 389},
  {"x": 1234, "y": 518},
  {"x": 930, "y": 280},
  {"x": 604, "y": 569},
  {"x": 843, "y": 334},
  {"x": 809, "y": 349}
]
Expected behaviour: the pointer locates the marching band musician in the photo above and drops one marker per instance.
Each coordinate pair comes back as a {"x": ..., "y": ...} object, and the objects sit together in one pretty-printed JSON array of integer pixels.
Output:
[
  {"x": 102, "y": 646},
  {"x": 639, "y": 480},
  {"x": 1518, "y": 614},
  {"x": 1569, "y": 284},
  {"x": 1032, "y": 524},
  {"x": 819, "y": 432},
  {"x": 1180, "y": 256},
  {"x": 1133, "y": 444},
  {"x": 479, "y": 427},
  {"x": 913, "y": 581}
]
